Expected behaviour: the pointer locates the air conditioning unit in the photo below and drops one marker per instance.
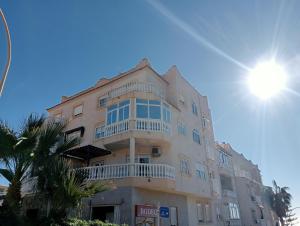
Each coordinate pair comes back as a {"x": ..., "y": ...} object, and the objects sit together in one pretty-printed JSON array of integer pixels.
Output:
[{"x": 156, "y": 152}]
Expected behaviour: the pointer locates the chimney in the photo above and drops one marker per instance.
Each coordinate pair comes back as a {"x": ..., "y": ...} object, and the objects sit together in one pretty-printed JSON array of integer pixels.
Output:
[
  {"x": 63, "y": 98},
  {"x": 102, "y": 82},
  {"x": 144, "y": 62}
]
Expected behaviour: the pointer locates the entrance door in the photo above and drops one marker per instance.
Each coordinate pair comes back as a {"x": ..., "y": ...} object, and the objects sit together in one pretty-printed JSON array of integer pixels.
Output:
[{"x": 103, "y": 213}]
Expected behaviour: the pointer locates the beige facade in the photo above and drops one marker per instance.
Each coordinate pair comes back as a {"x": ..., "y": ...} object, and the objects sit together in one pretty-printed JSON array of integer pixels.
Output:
[
  {"x": 245, "y": 187},
  {"x": 150, "y": 138}
]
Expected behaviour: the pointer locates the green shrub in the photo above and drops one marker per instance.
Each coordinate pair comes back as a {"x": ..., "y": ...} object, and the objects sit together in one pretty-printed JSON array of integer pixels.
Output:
[{"x": 79, "y": 222}]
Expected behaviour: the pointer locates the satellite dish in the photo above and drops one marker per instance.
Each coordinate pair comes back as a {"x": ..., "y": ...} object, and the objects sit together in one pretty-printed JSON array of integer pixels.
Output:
[{"x": 5, "y": 72}]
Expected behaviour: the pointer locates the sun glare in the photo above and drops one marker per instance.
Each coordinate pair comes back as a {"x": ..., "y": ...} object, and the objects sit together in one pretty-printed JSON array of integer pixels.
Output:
[{"x": 267, "y": 79}]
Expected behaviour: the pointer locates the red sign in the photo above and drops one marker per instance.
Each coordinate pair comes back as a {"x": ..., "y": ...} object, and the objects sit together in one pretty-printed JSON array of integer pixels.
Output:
[{"x": 146, "y": 211}]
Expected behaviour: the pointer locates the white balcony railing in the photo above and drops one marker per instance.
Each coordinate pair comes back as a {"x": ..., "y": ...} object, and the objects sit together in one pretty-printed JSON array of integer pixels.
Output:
[
  {"x": 136, "y": 86},
  {"x": 152, "y": 125},
  {"x": 129, "y": 170},
  {"x": 149, "y": 125}
]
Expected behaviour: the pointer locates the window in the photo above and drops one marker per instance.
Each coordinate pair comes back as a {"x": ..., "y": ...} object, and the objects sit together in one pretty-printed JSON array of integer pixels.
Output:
[
  {"x": 200, "y": 171},
  {"x": 200, "y": 212},
  {"x": 185, "y": 166},
  {"x": 78, "y": 110},
  {"x": 139, "y": 159},
  {"x": 181, "y": 128},
  {"x": 102, "y": 101},
  {"x": 203, "y": 212},
  {"x": 224, "y": 159},
  {"x": 100, "y": 131},
  {"x": 194, "y": 109},
  {"x": 196, "y": 136},
  {"x": 151, "y": 109},
  {"x": 148, "y": 109},
  {"x": 207, "y": 213},
  {"x": 124, "y": 110},
  {"x": 173, "y": 216},
  {"x": 233, "y": 211},
  {"x": 226, "y": 183},
  {"x": 118, "y": 112},
  {"x": 73, "y": 135},
  {"x": 112, "y": 113}
]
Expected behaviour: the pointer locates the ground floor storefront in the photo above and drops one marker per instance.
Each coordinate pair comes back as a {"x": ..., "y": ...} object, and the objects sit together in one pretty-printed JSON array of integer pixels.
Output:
[{"x": 142, "y": 207}]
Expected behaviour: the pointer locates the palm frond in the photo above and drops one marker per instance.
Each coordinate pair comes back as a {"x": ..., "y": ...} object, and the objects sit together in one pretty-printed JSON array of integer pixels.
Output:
[{"x": 7, "y": 174}]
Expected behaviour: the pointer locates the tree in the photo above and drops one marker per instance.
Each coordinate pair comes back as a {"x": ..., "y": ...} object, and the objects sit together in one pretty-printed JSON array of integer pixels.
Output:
[
  {"x": 291, "y": 218},
  {"x": 16, "y": 155},
  {"x": 62, "y": 186},
  {"x": 280, "y": 201}
]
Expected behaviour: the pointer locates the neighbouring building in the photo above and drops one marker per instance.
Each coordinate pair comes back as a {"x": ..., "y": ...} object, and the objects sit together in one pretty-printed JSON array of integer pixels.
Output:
[
  {"x": 248, "y": 201},
  {"x": 150, "y": 137},
  {"x": 3, "y": 190}
]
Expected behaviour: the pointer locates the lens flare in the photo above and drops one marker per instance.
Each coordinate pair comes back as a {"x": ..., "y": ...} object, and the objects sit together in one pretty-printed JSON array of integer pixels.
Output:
[{"x": 267, "y": 79}]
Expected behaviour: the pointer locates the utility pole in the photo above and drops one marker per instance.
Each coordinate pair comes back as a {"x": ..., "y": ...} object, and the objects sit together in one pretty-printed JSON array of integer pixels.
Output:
[{"x": 5, "y": 72}]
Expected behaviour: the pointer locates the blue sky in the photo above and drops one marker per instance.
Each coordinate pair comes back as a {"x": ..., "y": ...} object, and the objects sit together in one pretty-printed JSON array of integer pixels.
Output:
[{"x": 62, "y": 47}]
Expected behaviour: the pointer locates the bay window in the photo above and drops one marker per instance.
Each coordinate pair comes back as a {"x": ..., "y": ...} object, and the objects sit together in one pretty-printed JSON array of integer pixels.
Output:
[
  {"x": 118, "y": 112},
  {"x": 152, "y": 109}
]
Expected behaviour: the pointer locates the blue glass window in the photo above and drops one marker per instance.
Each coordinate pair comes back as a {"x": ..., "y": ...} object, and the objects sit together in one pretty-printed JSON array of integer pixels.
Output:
[
  {"x": 194, "y": 108},
  {"x": 196, "y": 136},
  {"x": 141, "y": 111},
  {"x": 154, "y": 112},
  {"x": 118, "y": 112}
]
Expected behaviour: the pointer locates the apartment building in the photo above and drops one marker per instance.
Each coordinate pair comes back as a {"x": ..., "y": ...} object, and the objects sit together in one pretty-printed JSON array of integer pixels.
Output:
[
  {"x": 244, "y": 186},
  {"x": 150, "y": 138}
]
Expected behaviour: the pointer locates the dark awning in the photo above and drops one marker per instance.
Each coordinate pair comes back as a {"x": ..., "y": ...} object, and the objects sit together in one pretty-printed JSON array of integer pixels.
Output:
[{"x": 86, "y": 152}]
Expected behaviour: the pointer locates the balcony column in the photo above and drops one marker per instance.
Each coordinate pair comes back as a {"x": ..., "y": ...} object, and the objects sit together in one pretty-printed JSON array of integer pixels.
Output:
[{"x": 132, "y": 155}]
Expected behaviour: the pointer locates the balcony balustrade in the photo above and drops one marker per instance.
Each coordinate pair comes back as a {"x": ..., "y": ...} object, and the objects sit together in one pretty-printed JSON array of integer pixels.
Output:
[
  {"x": 138, "y": 87},
  {"x": 149, "y": 125},
  {"x": 118, "y": 171}
]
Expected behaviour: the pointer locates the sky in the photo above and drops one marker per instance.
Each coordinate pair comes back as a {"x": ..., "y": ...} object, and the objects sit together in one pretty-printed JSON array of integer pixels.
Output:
[{"x": 62, "y": 47}]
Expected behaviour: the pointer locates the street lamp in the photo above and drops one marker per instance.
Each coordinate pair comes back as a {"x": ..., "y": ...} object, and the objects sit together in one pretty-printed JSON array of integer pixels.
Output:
[{"x": 5, "y": 72}]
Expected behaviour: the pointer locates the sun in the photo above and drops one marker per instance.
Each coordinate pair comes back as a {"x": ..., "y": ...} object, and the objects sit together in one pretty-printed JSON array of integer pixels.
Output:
[{"x": 267, "y": 79}]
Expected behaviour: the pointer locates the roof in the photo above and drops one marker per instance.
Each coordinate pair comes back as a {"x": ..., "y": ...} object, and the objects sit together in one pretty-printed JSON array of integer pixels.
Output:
[{"x": 144, "y": 63}]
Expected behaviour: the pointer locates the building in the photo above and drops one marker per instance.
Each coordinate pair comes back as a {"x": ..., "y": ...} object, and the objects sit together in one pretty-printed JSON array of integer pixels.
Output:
[
  {"x": 150, "y": 137},
  {"x": 246, "y": 189},
  {"x": 3, "y": 190}
]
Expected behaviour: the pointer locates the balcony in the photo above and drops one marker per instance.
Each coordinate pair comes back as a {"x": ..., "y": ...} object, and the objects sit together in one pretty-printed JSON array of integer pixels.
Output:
[
  {"x": 228, "y": 193},
  {"x": 155, "y": 176},
  {"x": 137, "y": 87},
  {"x": 144, "y": 128},
  {"x": 140, "y": 170}
]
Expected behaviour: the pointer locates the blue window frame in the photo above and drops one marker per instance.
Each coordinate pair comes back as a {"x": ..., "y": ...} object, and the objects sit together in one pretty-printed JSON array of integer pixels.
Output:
[
  {"x": 118, "y": 112},
  {"x": 194, "y": 109},
  {"x": 196, "y": 136},
  {"x": 148, "y": 109}
]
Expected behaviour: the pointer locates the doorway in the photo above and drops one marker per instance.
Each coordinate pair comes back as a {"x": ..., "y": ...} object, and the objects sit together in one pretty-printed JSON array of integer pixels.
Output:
[{"x": 103, "y": 213}]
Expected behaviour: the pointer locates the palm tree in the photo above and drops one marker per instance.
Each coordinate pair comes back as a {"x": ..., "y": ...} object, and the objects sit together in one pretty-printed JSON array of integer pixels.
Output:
[
  {"x": 16, "y": 155},
  {"x": 281, "y": 201},
  {"x": 62, "y": 187}
]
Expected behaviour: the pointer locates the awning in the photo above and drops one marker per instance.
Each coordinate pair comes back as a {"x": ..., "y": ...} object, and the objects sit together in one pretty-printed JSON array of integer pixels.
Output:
[{"x": 86, "y": 152}]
